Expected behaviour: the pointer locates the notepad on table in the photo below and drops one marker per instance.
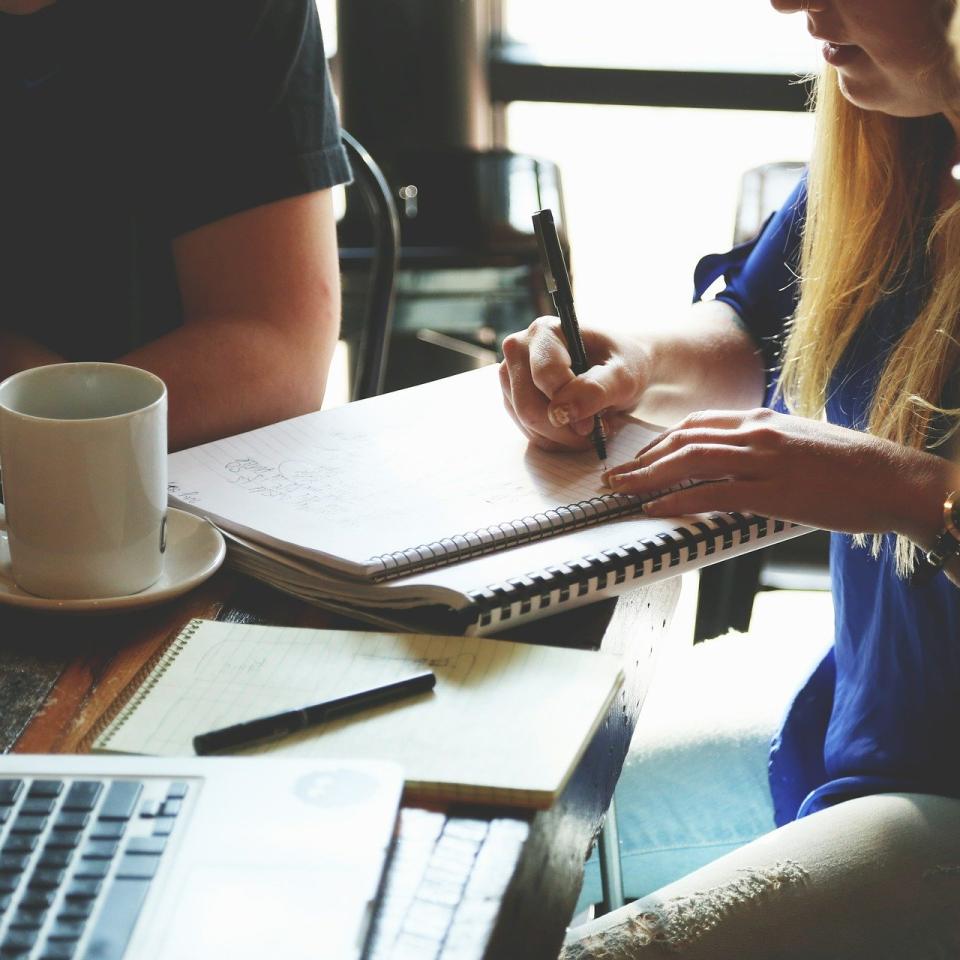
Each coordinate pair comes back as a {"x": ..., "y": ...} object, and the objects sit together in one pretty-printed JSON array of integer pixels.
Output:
[
  {"x": 430, "y": 500},
  {"x": 506, "y": 722}
]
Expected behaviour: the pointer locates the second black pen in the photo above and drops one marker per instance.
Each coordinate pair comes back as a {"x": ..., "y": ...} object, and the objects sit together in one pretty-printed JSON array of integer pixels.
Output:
[{"x": 277, "y": 725}]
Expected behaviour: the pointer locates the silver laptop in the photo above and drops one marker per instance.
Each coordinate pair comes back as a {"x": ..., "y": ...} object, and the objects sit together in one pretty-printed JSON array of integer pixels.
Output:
[{"x": 103, "y": 858}]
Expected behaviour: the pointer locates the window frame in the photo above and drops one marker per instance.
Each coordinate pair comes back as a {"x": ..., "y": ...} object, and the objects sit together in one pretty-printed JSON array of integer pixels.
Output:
[{"x": 514, "y": 74}]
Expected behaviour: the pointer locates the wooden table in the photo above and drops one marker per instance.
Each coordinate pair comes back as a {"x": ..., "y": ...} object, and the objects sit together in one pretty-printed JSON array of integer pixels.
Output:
[{"x": 59, "y": 673}]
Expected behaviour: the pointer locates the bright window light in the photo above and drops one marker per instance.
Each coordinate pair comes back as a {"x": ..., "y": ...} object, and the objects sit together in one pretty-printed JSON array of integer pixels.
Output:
[
  {"x": 328, "y": 24},
  {"x": 739, "y": 35},
  {"x": 649, "y": 191}
]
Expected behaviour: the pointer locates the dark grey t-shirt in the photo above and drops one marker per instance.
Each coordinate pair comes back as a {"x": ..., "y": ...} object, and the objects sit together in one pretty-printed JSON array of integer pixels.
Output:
[{"x": 128, "y": 122}]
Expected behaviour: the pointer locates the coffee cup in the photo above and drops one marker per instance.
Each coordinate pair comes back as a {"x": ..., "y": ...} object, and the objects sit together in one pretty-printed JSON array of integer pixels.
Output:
[{"x": 83, "y": 464}]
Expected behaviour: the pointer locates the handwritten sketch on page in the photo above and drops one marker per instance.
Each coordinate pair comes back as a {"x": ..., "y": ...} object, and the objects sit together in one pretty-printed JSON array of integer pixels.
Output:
[{"x": 372, "y": 478}]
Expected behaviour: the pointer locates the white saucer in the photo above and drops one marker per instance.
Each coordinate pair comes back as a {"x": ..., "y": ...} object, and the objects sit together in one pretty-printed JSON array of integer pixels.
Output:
[{"x": 195, "y": 549}]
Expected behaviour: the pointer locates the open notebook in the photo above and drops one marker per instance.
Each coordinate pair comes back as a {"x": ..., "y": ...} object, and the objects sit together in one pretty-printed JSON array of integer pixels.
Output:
[
  {"x": 431, "y": 498},
  {"x": 506, "y": 722}
]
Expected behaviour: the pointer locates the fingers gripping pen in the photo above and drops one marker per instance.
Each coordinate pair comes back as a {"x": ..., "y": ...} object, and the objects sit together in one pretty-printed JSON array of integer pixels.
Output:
[{"x": 558, "y": 286}]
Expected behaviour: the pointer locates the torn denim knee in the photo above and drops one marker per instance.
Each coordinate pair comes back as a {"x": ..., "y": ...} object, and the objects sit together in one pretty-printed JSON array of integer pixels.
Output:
[{"x": 679, "y": 922}]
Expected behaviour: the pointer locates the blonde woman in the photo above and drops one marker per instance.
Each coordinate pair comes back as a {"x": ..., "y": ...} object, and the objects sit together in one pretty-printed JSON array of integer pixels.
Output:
[{"x": 864, "y": 352}]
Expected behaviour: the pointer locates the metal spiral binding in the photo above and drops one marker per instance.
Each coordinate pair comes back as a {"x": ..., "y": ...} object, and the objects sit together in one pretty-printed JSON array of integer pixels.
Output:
[
  {"x": 137, "y": 690},
  {"x": 576, "y": 579},
  {"x": 586, "y": 513}
]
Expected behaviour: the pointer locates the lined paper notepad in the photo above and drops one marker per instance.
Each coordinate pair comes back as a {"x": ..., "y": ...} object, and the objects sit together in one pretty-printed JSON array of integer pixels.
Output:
[
  {"x": 432, "y": 465},
  {"x": 506, "y": 723},
  {"x": 427, "y": 509}
]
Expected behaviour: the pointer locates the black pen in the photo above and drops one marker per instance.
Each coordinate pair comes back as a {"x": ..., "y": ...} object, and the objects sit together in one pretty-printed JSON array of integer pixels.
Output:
[
  {"x": 290, "y": 721},
  {"x": 558, "y": 285}
]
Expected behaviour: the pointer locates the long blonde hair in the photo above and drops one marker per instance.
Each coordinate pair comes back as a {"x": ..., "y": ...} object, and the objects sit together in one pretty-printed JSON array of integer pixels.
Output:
[{"x": 873, "y": 186}]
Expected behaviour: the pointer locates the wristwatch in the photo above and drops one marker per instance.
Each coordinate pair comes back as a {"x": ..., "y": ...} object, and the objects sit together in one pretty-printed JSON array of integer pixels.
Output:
[{"x": 947, "y": 544}]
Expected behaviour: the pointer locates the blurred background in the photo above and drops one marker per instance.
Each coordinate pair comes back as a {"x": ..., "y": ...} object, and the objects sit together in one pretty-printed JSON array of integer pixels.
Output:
[
  {"x": 651, "y": 178},
  {"x": 657, "y": 133}
]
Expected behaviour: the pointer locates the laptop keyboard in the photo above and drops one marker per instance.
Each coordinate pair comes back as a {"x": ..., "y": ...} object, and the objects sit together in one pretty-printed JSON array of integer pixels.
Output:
[
  {"x": 445, "y": 886},
  {"x": 76, "y": 861}
]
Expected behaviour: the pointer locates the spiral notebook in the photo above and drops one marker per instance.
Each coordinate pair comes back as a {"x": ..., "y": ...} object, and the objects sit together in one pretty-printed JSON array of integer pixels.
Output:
[
  {"x": 430, "y": 501},
  {"x": 506, "y": 722}
]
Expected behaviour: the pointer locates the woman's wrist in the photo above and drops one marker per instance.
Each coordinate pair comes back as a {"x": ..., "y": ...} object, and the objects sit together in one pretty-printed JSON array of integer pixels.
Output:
[{"x": 929, "y": 481}]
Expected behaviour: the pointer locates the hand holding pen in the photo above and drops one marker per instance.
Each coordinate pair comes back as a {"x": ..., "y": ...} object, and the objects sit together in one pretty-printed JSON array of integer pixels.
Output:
[{"x": 558, "y": 285}]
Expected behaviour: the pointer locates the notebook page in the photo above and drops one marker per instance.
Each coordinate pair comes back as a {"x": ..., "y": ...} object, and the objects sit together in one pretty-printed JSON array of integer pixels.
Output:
[
  {"x": 388, "y": 474},
  {"x": 503, "y": 717}
]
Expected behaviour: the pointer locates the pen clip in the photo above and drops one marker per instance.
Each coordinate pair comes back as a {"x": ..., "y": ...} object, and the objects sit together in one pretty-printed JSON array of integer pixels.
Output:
[{"x": 551, "y": 256}]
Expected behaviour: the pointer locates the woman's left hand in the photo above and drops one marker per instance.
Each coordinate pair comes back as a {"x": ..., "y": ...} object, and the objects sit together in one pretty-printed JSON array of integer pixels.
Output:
[{"x": 792, "y": 468}]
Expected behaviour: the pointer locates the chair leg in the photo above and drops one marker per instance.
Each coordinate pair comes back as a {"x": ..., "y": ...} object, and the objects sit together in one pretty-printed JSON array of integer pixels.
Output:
[
  {"x": 725, "y": 599},
  {"x": 611, "y": 875}
]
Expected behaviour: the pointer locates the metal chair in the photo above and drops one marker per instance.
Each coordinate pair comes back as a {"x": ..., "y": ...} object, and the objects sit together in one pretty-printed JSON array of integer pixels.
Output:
[
  {"x": 727, "y": 589},
  {"x": 374, "y": 336}
]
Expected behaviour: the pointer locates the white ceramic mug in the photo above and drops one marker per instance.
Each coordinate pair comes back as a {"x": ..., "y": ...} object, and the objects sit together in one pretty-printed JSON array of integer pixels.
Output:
[{"x": 83, "y": 460}]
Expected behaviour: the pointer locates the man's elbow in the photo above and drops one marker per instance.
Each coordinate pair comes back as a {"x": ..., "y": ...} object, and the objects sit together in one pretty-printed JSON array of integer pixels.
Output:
[{"x": 308, "y": 355}]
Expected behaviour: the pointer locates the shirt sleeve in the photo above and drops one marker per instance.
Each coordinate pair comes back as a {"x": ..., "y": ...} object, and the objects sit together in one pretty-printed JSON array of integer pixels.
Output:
[
  {"x": 245, "y": 115},
  {"x": 762, "y": 276}
]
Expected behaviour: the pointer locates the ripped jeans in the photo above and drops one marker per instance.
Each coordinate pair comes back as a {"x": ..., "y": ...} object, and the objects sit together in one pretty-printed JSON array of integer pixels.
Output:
[{"x": 875, "y": 878}]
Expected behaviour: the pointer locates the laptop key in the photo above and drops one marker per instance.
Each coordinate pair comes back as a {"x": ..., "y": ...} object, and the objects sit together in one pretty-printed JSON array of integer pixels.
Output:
[
  {"x": 117, "y": 918},
  {"x": 163, "y": 826},
  {"x": 9, "y": 791},
  {"x": 121, "y": 800},
  {"x": 58, "y": 950},
  {"x": 75, "y": 910},
  {"x": 52, "y": 857},
  {"x": 28, "y": 824},
  {"x": 9, "y": 882},
  {"x": 20, "y": 843},
  {"x": 45, "y": 788},
  {"x": 45, "y": 879},
  {"x": 177, "y": 790},
  {"x": 71, "y": 820},
  {"x": 18, "y": 940},
  {"x": 38, "y": 806},
  {"x": 150, "y": 808},
  {"x": 83, "y": 795},
  {"x": 100, "y": 849},
  {"x": 138, "y": 866},
  {"x": 108, "y": 829},
  {"x": 39, "y": 899},
  {"x": 146, "y": 845},
  {"x": 66, "y": 930},
  {"x": 14, "y": 862},
  {"x": 83, "y": 889},
  {"x": 92, "y": 869},
  {"x": 27, "y": 918},
  {"x": 63, "y": 839}
]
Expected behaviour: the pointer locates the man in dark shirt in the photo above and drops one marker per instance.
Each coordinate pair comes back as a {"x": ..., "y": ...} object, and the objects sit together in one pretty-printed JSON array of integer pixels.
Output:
[{"x": 165, "y": 199}]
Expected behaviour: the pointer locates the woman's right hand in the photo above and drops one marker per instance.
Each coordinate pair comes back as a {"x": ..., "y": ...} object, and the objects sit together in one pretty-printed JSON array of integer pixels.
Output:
[{"x": 551, "y": 405}]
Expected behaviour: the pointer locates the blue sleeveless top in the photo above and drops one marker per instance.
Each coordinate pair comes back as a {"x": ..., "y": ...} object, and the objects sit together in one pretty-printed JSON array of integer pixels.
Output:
[{"x": 880, "y": 712}]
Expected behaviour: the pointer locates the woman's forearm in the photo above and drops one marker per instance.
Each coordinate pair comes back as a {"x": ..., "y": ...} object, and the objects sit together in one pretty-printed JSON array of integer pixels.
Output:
[{"x": 704, "y": 361}]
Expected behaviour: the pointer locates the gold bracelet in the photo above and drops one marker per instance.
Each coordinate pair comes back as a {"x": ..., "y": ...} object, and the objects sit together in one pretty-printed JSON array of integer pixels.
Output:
[{"x": 951, "y": 515}]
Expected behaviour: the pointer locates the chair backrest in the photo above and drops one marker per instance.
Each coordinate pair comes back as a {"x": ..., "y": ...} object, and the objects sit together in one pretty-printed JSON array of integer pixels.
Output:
[
  {"x": 374, "y": 342},
  {"x": 763, "y": 190}
]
